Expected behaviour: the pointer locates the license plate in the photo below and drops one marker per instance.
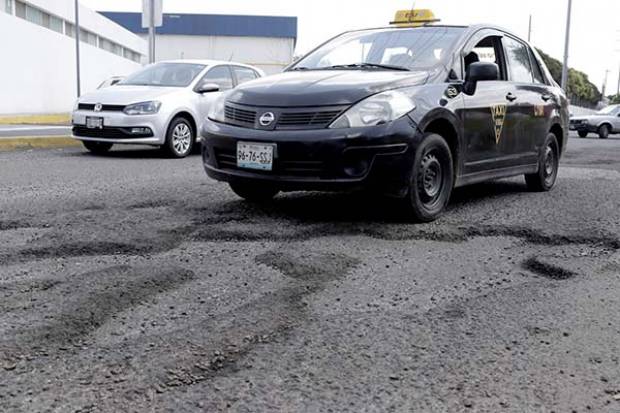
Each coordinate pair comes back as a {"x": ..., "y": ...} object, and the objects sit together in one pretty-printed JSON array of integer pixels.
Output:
[
  {"x": 255, "y": 156},
  {"x": 94, "y": 123}
]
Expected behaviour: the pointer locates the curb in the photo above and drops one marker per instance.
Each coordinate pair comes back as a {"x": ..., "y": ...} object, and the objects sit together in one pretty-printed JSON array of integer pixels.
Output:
[
  {"x": 27, "y": 142},
  {"x": 49, "y": 119}
]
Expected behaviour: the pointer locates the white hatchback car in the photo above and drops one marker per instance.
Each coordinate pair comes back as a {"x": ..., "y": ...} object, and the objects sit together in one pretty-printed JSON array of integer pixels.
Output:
[{"x": 164, "y": 104}]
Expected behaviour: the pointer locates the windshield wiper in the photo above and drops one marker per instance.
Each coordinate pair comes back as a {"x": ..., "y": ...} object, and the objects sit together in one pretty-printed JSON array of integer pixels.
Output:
[
  {"x": 300, "y": 68},
  {"x": 369, "y": 65}
]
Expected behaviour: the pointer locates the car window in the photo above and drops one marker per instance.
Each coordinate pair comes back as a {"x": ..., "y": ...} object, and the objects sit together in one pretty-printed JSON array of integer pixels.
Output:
[
  {"x": 518, "y": 59},
  {"x": 244, "y": 74},
  {"x": 165, "y": 74},
  {"x": 488, "y": 49},
  {"x": 536, "y": 71},
  {"x": 221, "y": 76}
]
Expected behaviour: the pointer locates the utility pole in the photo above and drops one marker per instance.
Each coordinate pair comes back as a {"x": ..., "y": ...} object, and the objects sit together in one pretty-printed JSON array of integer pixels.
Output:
[
  {"x": 604, "y": 84},
  {"x": 566, "y": 48},
  {"x": 529, "y": 31},
  {"x": 77, "y": 46},
  {"x": 151, "y": 31}
]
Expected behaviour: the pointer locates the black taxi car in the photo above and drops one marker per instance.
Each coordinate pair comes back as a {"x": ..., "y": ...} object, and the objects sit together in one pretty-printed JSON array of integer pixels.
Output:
[{"x": 410, "y": 111}]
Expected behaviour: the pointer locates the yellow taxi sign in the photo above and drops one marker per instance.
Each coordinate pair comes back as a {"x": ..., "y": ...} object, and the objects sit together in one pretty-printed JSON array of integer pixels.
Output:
[{"x": 414, "y": 18}]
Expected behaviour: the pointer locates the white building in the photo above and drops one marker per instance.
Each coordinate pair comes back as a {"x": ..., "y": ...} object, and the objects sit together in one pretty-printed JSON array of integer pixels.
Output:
[
  {"x": 37, "y": 45},
  {"x": 267, "y": 42}
]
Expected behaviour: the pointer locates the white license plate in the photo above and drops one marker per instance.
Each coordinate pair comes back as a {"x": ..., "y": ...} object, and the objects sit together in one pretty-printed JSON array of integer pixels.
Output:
[
  {"x": 255, "y": 156},
  {"x": 94, "y": 123}
]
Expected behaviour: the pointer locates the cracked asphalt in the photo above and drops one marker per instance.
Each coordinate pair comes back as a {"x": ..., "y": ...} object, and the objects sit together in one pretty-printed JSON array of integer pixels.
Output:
[{"x": 134, "y": 283}]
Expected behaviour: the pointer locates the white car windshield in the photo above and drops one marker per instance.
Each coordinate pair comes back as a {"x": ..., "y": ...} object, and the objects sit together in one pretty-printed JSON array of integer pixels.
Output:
[
  {"x": 165, "y": 74},
  {"x": 397, "y": 49},
  {"x": 609, "y": 110}
]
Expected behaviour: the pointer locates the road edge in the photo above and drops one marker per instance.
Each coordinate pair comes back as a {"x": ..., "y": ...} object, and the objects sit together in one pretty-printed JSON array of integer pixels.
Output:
[{"x": 32, "y": 142}]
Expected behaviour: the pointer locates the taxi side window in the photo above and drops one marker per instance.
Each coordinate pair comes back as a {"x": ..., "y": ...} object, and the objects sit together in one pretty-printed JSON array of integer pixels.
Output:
[
  {"x": 518, "y": 58},
  {"x": 489, "y": 49},
  {"x": 221, "y": 76},
  {"x": 536, "y": 71}
]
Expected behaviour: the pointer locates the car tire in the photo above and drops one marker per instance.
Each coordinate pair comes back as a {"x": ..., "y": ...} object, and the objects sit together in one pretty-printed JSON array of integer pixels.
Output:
[
  {"x": 432, "y": 179},
  {"x": 583, "y": 134},
  {"x": 180, "y": 138},
  {"x": 603, "y": 132},
  {"x": 548, "y": 164},
  {"x": 98, "y": 148},
  {"x": 254, "y": 192}
]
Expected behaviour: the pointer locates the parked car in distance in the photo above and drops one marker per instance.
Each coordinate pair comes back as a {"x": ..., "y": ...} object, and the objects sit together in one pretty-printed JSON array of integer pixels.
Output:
[
  {"x": 163, "y": 104},
  {"x": 110, "y": 82},
  {"x": 604, "y": 122},
  {"x": 411, "y": 112}
]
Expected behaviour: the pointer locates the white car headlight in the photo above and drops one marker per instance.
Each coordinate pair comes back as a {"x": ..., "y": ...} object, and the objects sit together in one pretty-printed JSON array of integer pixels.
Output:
[
  {"x": 217, "y": 111},
  {"x": 375, "y": 110},
  {"x": 142, "y": 108}
]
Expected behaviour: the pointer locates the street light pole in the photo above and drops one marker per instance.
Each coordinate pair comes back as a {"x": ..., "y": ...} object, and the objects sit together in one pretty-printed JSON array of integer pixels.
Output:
[
  {"x": 151, "y": 31},
  {"x": 529, "y": 31},
  {"x": 77, "y": 46},
  {"x": 566, "y": 44}
]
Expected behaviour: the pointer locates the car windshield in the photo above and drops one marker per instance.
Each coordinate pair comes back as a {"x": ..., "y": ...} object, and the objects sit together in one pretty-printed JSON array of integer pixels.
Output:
[
  {"x": 387, "y": 49},
  {"x": 609, "y": 110},
  {"x": 165, "y": 74}
]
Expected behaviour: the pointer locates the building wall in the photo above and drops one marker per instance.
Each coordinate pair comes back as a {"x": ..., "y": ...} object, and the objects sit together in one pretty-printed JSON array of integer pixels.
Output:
[
  {"x": 38, "y": 71},
  {"x": 267, "y": 53}
]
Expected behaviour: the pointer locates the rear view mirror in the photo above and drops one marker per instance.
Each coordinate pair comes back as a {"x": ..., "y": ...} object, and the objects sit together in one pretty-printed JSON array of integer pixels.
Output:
[
  {"x": 208, "y": 88},
  {"x": 479, "y": 72}
]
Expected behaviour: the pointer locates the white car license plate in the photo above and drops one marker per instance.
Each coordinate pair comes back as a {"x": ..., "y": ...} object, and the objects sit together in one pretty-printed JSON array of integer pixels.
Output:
[
  {"x": 94, "y": 122},
  {"x": 255, "y": 156}
]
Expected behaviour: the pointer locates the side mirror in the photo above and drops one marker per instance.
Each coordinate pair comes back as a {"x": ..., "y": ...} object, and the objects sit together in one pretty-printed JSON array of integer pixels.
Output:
[
  {"x": 207, "y": 88},
  {"x": 479, "y": 72}
]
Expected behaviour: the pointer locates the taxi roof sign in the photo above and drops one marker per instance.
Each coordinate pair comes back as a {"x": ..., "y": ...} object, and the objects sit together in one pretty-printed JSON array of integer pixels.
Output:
[{"x": 414, "y": 18}]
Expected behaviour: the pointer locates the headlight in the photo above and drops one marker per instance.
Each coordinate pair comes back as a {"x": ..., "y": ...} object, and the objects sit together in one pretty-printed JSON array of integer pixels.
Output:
[
  {"x": 142, "y": 108},
  {"x": 375, "y": 110},
  {"x": 217, "y": 111}
]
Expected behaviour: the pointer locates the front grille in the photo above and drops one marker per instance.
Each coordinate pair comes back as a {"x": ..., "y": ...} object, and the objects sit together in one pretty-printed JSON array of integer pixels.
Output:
[
  {"x": 104, "y": 108},
  {"x": 577, "y": 121},
  {"x": 301, "y": 168},
  {"x": 240, "y": 115},
  {"x": 108, "y": 133},
  {"x": 307, "y": 119}
]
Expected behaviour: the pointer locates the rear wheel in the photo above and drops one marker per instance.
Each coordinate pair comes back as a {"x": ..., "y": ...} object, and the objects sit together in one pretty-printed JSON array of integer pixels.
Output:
[
  {"x": 603, "y": 132},
  {"x": 432, "y": 179},
  {"x": 180, "y": 138},
  {"x": 548, "y": 164},
  {"x": 254, "y": 192},
  {"x": 582, "y": 134},
  {"x": 98, "y": 148}
]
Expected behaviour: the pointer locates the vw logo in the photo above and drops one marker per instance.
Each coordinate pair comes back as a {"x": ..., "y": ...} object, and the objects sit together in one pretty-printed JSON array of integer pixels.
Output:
[
  {"x": 98, "y": 107},
  {"x": 267, "y": 119}
]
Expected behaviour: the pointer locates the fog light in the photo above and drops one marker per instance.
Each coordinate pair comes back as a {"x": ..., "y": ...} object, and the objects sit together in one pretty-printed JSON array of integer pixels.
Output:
[
  {"x": 140, "y": 131},
  {"x": 356, "y": 167}
]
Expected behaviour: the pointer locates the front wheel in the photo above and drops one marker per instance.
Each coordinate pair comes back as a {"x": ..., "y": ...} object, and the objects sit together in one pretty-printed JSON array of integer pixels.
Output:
[
  {"x": 603, "y": 132},
  {"x": 180, "y": 138},
  {"x": 98, "y": 148},
  {"x": 254, "y": 192},
  {"x": 548, "y": 164},
  {"x": 432, "y": 179},
  {"x": 583, "y": 134}
]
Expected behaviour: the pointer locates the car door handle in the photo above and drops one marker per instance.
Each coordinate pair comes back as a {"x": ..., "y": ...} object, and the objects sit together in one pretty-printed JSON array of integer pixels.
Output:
[
  {"x": 511, "y": 97},
  {"x": 546, "y": 98}
]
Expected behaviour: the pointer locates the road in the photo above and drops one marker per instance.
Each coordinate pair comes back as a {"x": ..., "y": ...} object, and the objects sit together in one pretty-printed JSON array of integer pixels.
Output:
[
  {"x": 10, "y": 131},
  {"x": 134, "y": 283}
]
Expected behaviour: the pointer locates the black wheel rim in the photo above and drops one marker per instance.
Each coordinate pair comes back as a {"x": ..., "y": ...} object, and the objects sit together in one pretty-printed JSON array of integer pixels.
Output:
[
  {"x": 550, "y": 165},
  {"x": 431, "y": 179}
]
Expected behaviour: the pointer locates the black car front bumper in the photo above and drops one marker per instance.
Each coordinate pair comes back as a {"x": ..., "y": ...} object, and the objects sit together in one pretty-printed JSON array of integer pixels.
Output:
[{"x": 379, "y": 157}]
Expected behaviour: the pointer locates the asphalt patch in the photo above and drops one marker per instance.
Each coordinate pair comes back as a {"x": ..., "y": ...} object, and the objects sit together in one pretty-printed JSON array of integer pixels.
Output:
[{"x": 547, "y": 270}]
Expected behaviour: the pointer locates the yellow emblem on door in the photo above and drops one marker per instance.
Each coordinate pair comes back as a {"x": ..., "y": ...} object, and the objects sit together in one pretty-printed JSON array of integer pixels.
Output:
[{"x": 498, "y": 113}]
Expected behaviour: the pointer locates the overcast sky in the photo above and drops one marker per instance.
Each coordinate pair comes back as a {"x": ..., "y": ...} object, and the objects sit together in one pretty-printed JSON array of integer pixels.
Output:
[{"x": 595, "y": 34}]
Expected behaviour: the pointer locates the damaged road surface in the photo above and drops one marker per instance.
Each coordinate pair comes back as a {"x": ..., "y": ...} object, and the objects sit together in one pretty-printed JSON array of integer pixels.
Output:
[{"x": 134, "y": 283}]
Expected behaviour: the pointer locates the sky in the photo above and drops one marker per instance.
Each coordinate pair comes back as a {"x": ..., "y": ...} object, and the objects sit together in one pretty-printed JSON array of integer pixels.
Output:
[{"x": 595, "y": 29}]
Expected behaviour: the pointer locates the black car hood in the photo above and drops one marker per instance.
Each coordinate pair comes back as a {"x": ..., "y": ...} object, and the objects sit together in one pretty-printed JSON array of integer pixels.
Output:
[{"x": 321, "y": 87}]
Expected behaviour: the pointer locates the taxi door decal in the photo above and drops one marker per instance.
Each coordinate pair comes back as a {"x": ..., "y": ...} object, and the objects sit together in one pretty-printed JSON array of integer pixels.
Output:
[{"x": 498, "y": 113}]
